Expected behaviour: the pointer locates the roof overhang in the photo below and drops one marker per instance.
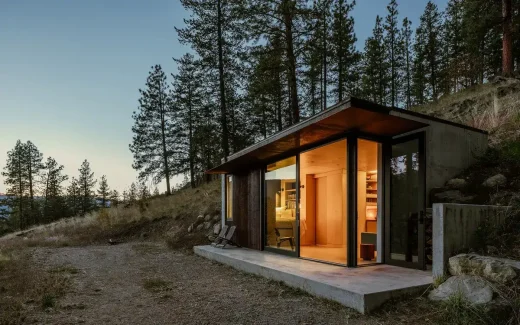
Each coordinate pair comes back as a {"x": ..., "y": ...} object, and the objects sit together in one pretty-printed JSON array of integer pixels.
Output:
[{"x": 349, "y": 116}]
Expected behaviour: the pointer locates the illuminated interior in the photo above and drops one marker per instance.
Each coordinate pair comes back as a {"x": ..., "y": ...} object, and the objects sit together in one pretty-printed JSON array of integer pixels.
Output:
[
  {"x": 280, "y": 188},
  {"x": 323, "y": 206},
  {"x": 368, "y": 198}
]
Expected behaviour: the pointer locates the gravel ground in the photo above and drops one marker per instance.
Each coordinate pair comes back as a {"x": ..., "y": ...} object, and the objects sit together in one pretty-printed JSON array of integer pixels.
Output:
[{"x": 147, "y": 283}]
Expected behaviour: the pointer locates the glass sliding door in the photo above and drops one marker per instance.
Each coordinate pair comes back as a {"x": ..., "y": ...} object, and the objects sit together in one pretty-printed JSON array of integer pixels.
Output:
[
  {"x": 280, "y": 206},
  {"x": 405, "y": 244},
  {"x": 323, "y": 206}
]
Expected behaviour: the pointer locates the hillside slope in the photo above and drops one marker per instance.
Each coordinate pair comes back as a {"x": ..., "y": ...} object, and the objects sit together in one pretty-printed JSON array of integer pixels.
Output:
[{"x": 494, "y": 107}]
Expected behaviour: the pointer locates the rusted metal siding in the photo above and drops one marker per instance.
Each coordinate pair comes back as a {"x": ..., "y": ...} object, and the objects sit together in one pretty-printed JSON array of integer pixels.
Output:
[{"x": 246, "y": 209}]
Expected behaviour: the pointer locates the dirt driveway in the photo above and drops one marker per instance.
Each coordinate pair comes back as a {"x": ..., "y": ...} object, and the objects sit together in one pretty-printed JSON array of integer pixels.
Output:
[{"x": 147, "y": 283}]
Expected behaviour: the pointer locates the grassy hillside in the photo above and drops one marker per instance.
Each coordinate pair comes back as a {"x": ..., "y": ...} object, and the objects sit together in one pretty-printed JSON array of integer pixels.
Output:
[
  {"x": 494, "y": 107},
  {"x": 163, "y": 218}
]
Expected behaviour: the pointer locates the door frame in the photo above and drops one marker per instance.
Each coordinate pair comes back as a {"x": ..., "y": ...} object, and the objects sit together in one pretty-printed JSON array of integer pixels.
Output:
[{"x": 387, "y": 154}]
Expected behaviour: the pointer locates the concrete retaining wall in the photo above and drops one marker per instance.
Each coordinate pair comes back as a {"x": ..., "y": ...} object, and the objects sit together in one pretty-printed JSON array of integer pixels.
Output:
[{"x": 454, "y": 229}]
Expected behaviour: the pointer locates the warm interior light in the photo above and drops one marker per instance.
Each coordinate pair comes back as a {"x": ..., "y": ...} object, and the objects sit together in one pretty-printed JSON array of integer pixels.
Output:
[{"x": 371, "y": 213}]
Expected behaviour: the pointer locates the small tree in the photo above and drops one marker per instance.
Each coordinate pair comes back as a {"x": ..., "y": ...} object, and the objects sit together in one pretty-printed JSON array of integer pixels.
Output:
[
  {"x": 114, "y": 198},
  {"x": 132, "y": 194},
  {"x": 86, "y": 184},
  {"x": 73, "y": 197},
  {"x": 54, "y": 204},
  {"x": 16, "y": 180},
  {"x": 103, "y": 191}
]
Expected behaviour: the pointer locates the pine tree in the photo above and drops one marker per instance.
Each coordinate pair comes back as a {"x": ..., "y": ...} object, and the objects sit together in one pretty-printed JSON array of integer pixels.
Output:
[
  {"x": 394, "y": 51},
  {"x": 284, "y": 20},
  {"x": 132, "y": 194},
  {"x": 114, "y": 198},
  {"x": 86, "y": 184},
  {"x": 33, "y": 162},
  {"x": 73, "y": 197},
  {"x": 344, "y": 58},
  {"x": 16, "y": 181},
  {"x": 428, "y": 46},
  {"x": 216, "y": 32},
  {"x": 406, "y": 43},
  {"x": 154, "y": 143},
  {"x": 54, "y": 206},
  {"x": 375, "y": 66},
  {"x": 187, "y": 97},
  {"x": 104, "y": 191},
  {"x": 456, "y": 52},
  {"x": 156, "y": 192},
  {"x": 143, "y": 192}
]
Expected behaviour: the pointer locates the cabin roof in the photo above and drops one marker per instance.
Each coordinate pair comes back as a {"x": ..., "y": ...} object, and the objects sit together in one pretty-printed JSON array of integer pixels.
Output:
[{"x": 349, "y": 116}]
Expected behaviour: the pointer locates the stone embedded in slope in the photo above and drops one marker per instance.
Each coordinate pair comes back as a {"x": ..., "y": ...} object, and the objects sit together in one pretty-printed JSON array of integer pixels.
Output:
[
  {"x": 495, "y": 181},
  {"x": 456, "y": 183},
  {"x": 216, "y": 228},
  {"x": 491, "y": 268},
  {"x": 474, "y": 289}
]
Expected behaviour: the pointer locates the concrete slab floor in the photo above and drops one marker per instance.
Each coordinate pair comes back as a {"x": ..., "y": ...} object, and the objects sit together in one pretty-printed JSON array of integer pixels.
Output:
[{"x": 362, "y": 288}]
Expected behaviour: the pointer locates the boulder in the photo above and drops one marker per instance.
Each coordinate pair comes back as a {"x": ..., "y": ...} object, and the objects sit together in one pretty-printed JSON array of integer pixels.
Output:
[
  {"x": 474, "y": 289},
  {"x": 456, "y": 183},
  {"x": 453, "y": 196},
  {"x": 200, "y": 227},
  {"x": 190, "y": 228},
  {"x": 199, "y": 220},
  {"x": 207, "y": 218},
  {"x": 492, "y": 268},
  {"x": 208, "y": 224},
  {"x": 216, "y": 228},
  {"x": 495, "y": 181}
]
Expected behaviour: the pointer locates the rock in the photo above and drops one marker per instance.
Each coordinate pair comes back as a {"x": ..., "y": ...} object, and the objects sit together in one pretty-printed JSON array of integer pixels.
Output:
[
  {"x": 216, "y": 228},
  {"x": 199, "y": 227},
  {"x": 207, "y": 218},
  {"x": 216, "y": 218},
  {"x": 456, "y": 183},
  {"x": 199, "y": 220},
  {"x": 472, "y": 288},
  {"x": 190, "y": 228},
  {"x": 492, "y": 268},
  {"x": 495, "y": 181},
  {"x": 208, "y": 224}
]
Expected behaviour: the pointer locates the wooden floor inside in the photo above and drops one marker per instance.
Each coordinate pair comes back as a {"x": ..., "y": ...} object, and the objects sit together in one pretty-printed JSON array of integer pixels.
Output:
[
  {"x": 328, "y": 254},
  {"x": 337, "y": 255}
]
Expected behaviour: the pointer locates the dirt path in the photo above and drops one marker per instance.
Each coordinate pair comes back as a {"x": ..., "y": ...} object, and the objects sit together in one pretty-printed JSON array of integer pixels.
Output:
[{"x": 146, "y": 283}]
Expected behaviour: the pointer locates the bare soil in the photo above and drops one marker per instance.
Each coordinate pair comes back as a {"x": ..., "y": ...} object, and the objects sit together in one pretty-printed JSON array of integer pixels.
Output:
[{"x": 147, "y": 283}]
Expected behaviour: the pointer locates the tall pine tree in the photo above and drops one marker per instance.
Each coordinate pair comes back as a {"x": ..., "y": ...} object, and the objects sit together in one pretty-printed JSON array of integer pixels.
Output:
[
  {"x": 86, "y": 184},
  {"x": 154, "y": 144}
]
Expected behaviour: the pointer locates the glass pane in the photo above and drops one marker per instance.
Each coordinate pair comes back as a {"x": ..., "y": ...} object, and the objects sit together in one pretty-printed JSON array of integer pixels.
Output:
[
  {"x": 280, "y": 194},
  {"x": 369, "y": 196},
  {"x": 323, "y": 203},
  {"x": 229, "y": 197},
  {"x": 404, "y": 201}
]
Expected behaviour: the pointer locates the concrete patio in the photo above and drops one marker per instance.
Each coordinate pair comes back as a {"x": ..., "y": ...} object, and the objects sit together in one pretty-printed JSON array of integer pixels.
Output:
[{"x": 362, "y": 288}]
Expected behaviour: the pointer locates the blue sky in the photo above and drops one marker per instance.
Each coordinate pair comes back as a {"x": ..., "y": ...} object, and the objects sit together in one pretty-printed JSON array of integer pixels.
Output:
[{"x": 70, "y": 71}]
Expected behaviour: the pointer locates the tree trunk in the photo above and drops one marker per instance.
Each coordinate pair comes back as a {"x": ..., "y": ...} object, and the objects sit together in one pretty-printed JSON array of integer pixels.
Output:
[
  {"x": 223, "y": 107},
  {"x": 20, "y": 192},
  {"x": 190, "y": 148},
  {"x": 31, "y": 190},
  {"x": 165, "y": 152},
  {"x": 291, "y": 58},
  {"x": 507, "y": 39}
]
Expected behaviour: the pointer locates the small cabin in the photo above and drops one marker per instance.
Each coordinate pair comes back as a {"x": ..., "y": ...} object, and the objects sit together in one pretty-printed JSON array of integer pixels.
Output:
[{"x": 348, "y": 186}]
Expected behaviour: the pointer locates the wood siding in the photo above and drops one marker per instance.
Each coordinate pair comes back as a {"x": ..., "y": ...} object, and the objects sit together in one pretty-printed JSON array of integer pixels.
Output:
[{"x": 247, "y": 210}]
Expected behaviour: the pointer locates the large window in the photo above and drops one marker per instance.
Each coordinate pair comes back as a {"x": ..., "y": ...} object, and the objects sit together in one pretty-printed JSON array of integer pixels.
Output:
[
  {"x": 280, "y": 188},
  {"x": 229, "y": 197},
  {"x": 323, "y": 208}
]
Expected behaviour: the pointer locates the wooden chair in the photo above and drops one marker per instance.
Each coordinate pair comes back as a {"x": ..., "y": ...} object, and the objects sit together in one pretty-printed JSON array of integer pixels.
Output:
[
  {"x": 280, "y": 239},
  {"x": 217, "y": 239},
  {"x": 228, "y": 239}
]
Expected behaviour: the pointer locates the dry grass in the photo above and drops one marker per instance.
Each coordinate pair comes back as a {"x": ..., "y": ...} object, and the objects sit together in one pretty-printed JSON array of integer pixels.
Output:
[
  {"x": 156, "y": 285},
  {"x": 163, "y": 217},
  {"x": 494, "y": 107},
  {"x": 24, "y": 287}
]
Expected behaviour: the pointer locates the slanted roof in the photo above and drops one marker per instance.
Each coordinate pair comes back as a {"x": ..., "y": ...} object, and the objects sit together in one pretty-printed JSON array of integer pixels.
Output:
[{"x": 353, "y": 115}]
